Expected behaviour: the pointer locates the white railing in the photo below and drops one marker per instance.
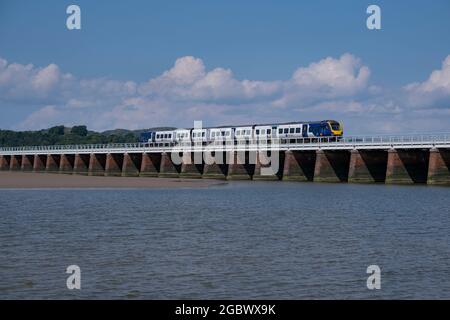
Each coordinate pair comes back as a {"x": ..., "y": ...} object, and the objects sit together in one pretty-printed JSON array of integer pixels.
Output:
[{"x": 441, "y": 140}]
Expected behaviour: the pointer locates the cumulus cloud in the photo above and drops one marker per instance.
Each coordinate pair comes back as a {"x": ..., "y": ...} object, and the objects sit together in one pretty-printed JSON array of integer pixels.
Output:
[
  {"x": 337, "y": 88},
  {"x": 45, "y": 79},
  {"x": 435, "y": 91},
  {"x": 189, "y": 80},
  {"x": 327, "y": 79}
]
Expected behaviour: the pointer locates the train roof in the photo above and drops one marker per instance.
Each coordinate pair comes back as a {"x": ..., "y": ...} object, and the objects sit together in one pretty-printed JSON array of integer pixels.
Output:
[{"x": 258, "y": 124}]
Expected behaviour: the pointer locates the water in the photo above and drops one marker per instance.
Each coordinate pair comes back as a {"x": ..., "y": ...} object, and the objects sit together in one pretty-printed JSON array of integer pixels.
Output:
[{"x": 241, "y": 240}]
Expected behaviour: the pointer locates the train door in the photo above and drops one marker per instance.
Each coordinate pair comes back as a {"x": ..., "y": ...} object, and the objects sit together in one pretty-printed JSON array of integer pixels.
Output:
[{"x": 305, "y": 130}]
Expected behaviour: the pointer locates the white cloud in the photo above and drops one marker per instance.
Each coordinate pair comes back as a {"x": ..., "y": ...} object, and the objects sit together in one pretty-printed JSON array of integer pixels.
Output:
[
  {"x": 337, "y": 88},
  {"x": 45, "y": 79},
  {"x": 189, "y": 80},
  {"x": 327, "y": 79},
  {"x": 49, "y": 114},
  {"x": 343, "y": 76},
  {"x": 435, "y": 91}
]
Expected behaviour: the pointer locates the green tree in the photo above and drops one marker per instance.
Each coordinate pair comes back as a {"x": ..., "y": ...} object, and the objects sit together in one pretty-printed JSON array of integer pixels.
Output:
[
  {"x": 56, "y": 131},
  {"x": 79, "y": 131}
]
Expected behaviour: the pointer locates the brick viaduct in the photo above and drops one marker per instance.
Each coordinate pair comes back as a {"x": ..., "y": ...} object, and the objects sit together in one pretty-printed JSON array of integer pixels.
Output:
[{"x": 390, "y": 166}]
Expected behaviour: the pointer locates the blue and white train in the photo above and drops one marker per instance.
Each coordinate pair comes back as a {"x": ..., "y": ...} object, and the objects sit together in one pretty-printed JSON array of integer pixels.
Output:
[{"x": 284, "y": 131}]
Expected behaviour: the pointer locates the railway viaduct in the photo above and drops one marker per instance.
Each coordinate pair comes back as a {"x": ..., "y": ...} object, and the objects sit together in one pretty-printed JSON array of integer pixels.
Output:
[{"x": 382, "y": 159}]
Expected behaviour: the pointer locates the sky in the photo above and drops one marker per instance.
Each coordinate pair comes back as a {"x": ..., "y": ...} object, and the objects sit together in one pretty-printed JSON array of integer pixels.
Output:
[{"x": 141, "y": 64}]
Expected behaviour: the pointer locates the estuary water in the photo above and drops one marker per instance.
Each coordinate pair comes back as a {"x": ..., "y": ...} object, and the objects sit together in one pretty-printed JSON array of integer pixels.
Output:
[{"x": 253, "y": 240}]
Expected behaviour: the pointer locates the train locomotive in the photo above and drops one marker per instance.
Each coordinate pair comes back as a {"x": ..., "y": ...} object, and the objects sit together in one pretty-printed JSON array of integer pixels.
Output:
[{"x": 282, "y": 131}]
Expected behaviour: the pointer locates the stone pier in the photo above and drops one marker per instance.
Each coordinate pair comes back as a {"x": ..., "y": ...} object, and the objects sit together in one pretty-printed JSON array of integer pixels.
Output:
[
  {"x": 81, "y": 164},
  {"x": 15, "y": 163},
  {"x": 367, "y": 166},
  {"x": 240, "y": 167},
  {"x": 27, "y": 162},
  {"x": 299, "y": 165},
  {"x": 331, "y": 166},
  {"x": 5, "y": 163},
  {"x": 114, "y": 163},
  {"x": 192, "y": 165},
  {"x": 439, "y": 167},
  {"x": 150, "y": 164},
  {"x": 39, "y": 162},
  {"x": 216, "y": 167},
  {"x": 52, "y": 164},
  {"x": 131, "y": 164},
  {"x": 265, "y": 169},
  {"x": 66, "y": 163},
  {"x": 407, "y": 166},
  {"x": 168, "y": 169},
  {"x": 97, "y": 164}
]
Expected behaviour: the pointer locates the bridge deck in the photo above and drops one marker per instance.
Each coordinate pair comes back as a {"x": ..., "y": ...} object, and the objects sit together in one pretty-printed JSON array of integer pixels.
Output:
[{"x": 345, "y": 143}]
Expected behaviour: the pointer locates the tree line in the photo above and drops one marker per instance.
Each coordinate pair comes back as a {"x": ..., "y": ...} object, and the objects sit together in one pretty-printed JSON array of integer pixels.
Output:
[{"x": 59, "y": 135}]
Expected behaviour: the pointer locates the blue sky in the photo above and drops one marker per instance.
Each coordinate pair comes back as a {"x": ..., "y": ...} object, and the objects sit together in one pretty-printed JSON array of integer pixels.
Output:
[{"x": 237, "y": 62}]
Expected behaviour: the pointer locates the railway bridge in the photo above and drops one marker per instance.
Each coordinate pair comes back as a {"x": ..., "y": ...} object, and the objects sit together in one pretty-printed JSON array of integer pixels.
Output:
[{"x": 358, "y": 159}]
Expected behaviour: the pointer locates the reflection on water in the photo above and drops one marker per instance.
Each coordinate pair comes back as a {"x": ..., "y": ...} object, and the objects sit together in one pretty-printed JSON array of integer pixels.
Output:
[{"x": 241, "y": 240}]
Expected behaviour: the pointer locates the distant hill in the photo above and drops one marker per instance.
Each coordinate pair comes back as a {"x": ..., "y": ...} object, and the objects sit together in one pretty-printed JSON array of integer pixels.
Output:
[
  {"x": 69, "y": 135},
  {"x": 122, "y": 132}
]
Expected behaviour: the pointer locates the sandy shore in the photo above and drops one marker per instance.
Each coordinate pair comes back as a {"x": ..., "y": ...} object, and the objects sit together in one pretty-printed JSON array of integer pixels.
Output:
[{"x": 48, "y": 180}]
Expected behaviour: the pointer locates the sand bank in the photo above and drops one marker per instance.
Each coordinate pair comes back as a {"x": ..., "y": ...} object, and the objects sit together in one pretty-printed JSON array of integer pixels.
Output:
[{"x": 48, "y": 180}]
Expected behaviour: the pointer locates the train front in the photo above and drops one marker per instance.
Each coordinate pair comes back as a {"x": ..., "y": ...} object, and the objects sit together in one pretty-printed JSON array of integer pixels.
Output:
[{"x": 336, "y": 128}]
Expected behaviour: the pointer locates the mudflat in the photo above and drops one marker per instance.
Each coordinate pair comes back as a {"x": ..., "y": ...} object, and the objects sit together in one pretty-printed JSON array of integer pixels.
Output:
[{"x": 28, "y": 180}]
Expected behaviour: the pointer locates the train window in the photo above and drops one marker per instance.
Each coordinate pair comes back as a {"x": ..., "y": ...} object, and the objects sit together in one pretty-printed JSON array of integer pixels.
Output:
[
  {"x": 263, "y": 131},
  {"x": 170, "y": 135},
  {"x": 257, "y": 131},
  {"x": 269, "y": 131},
  {"x": 227, "y": 133},
  {"x": 248, "y": 132},
  {"x": 297, "y": 130},
  {"x": 291, "y": 130},
  {"x": 286, "y": 130},
  {"x": 203, "y": 134},
  {"x": 280, "y": 131}
]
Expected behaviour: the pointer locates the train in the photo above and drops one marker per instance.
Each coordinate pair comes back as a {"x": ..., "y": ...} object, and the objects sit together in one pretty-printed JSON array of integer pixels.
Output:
[{"x": 283, "y": 131}]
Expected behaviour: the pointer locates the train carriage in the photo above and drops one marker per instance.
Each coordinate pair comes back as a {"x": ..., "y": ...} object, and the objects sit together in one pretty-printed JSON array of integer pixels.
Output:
[{"x": 257, "y": 132}]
